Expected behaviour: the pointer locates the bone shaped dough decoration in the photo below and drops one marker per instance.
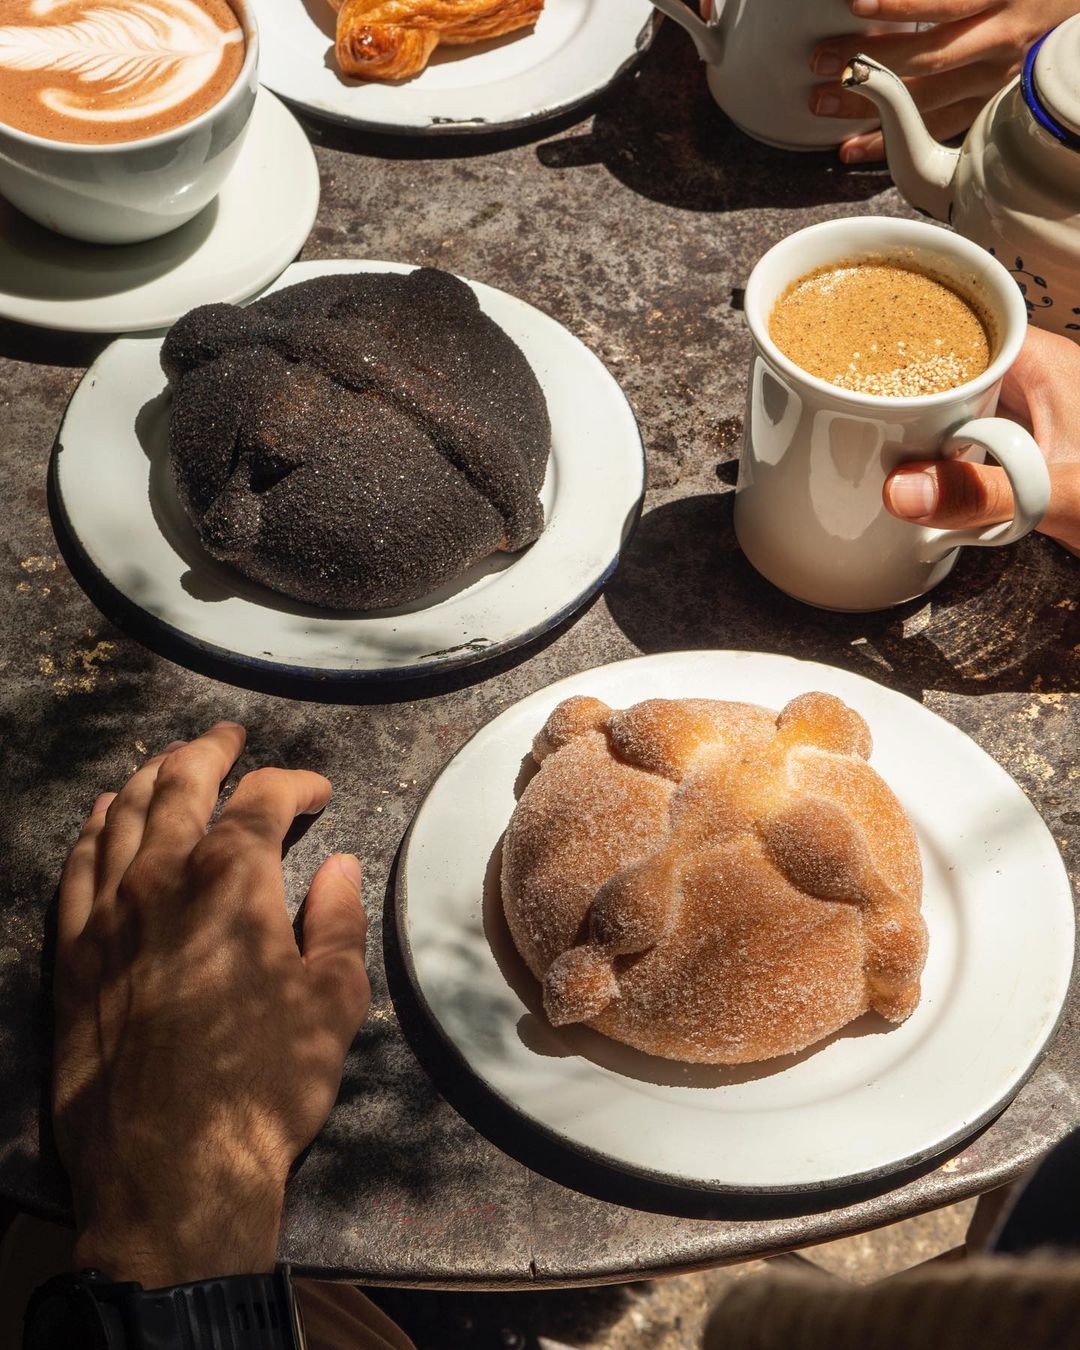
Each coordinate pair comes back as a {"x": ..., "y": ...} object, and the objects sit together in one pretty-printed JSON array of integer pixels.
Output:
[{"x": 714, "y": 882}]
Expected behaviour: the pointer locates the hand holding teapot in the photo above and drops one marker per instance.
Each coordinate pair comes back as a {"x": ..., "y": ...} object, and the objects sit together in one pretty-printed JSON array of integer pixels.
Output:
[
  {"x": 965, "y": 51},
  {"x": 756, "y": 54},
  {"x": 1014, "y": 184}
]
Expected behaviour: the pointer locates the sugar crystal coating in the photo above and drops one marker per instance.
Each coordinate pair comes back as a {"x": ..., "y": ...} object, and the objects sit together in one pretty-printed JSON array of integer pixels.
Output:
[
  {"x": 714, "y": 882},
  {"x": 356, "y": 441}
]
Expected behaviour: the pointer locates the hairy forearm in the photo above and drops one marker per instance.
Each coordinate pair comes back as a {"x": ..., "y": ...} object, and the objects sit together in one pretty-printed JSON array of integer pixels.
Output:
[
  {"x": 191, "y": 1223},
  {"x": 195, "y": 1246}
]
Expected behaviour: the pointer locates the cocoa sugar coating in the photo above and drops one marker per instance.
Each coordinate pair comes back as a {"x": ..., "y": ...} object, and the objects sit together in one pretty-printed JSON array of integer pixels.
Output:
[
  {"x": 356, "y": 441},
  {"x": 714, "y": 882}
]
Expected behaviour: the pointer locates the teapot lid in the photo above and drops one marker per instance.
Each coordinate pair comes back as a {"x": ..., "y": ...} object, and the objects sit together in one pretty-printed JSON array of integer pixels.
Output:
[{"x": 1051, "y": 82}]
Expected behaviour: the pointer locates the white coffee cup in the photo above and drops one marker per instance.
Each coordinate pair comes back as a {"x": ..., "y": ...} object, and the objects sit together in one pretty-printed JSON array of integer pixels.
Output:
[
  {"x": 133, "y": 190},
  {"x": 809, "y": 511}
]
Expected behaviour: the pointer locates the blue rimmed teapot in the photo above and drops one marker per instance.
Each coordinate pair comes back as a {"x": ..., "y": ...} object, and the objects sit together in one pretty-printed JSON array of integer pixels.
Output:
[{"x": 1014, "y": 184}]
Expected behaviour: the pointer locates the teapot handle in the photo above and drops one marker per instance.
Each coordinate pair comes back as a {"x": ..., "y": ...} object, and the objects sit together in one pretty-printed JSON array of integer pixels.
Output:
[
  {"x": 1015, "y": 450},
  {"x": 706, "y": 36}
]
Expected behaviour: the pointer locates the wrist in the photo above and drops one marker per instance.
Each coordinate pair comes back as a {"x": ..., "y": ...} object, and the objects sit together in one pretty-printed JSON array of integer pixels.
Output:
[
  {"x": 180, "y": 1249},
  {"x": 157, "y": 1264},
  {"x": 194, "y": 1220}
]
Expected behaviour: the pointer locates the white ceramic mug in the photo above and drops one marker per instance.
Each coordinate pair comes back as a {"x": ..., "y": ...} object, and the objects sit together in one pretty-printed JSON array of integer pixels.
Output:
[
  {"x": 133, "y": 190},
  {"x": 757, "y": 56},
  {"x": 809, "y": 511}
]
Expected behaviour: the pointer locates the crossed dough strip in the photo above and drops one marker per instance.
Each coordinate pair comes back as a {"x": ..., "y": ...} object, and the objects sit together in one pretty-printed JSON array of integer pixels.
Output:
[
  {"x": 713, "y": 882},
  {"x": 394, "y": 39}
]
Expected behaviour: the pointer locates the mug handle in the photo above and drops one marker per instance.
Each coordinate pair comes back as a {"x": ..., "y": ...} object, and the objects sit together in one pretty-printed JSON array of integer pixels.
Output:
[{"x": 1015, "y": 450}]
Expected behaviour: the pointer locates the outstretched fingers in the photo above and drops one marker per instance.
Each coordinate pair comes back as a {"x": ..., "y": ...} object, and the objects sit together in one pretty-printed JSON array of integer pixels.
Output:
[
  {"x": 335, "y": 938},
  {"x": 78, "y": 881},
  {"x": 238, "y": 861},
  {"x": 186, "y": 790},
  {"x": 261, "y": 811},
  {"x": 918, "y": 11}
]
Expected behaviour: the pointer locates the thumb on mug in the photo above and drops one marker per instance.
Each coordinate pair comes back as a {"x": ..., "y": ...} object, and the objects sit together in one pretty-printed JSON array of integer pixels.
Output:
[{"x": 949, "y": 494}]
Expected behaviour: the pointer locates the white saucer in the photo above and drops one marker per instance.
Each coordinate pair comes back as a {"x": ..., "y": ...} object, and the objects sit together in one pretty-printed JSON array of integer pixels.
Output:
[
  {"x": 575, "y": 50},
  {"x": 258, "y": 223},
  {"x": 866, "y": 1102},
  {"x": 115, "y": 493}
]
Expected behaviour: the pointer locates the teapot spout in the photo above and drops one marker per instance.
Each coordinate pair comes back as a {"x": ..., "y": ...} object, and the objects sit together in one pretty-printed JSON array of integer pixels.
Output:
[
  {"x": 922, "y": 168},
  {"x": 706, "y": 36}
]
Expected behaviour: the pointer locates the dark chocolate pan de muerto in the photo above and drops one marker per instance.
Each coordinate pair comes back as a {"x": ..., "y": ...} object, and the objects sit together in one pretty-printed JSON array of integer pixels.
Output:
[{"x": 356, "y": 441}]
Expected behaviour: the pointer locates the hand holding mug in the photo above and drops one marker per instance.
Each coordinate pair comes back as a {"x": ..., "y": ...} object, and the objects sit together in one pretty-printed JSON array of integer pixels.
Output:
[
  {"x": 1041, "y": 391},
  {"x": 819, "y": 445}
]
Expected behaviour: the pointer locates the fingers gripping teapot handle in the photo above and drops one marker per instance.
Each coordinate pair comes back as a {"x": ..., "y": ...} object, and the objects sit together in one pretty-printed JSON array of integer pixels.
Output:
[
  {"x": 706, "y": 36},
  {"x": 1015, "y": 450}
]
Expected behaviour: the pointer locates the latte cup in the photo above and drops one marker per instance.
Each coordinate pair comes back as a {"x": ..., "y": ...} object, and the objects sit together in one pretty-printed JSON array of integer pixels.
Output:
[
  {"x": 129, "y": 191},
  {"x": 809, "y": 508}
]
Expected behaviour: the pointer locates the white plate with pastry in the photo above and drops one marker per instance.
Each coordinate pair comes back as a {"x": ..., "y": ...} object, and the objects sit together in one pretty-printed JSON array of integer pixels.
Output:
[
  {"x": 236, "y": 246},
  {"x": 573, "y": 50},
  {"x": 119, "y": 507},
  {"x": 871, "y": 1098}
]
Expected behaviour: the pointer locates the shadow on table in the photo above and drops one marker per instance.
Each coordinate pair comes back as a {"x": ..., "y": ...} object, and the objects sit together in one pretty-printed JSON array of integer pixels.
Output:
[
  {"x": 540, "y": 1152},
  {"x": 663, "y": 137},
  {"x": 1005, "y": 620},
  {"x": 43, "y": 347},
  {"x": 318, "y": 687},
  {"x": 332, "y": 135},
  {"x": 55, "y": 733}
]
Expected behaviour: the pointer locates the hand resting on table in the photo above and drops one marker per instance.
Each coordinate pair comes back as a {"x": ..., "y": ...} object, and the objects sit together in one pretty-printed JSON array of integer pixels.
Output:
[{"x": 197, "y": 1051}]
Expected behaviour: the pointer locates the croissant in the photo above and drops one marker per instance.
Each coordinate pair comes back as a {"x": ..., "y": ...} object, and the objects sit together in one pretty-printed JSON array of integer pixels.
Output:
[
  {"x": 713, "y": 882},
  {"x": 393, "y": 39}
]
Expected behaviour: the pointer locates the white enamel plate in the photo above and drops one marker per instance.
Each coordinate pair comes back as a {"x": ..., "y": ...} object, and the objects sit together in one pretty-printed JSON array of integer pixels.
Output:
[
  {"x": 257, "y": 224},
  {"x": 115, "y": 493},
  {"x": 575, "y": 50},
  {"x": 865, "y": 1102}
]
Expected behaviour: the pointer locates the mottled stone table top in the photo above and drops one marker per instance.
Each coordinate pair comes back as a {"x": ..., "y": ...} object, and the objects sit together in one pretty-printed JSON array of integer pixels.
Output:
[{"x": 636, "y": 226}]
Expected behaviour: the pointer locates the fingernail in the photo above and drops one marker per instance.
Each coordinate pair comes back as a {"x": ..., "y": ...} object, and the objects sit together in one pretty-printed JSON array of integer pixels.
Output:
[
  {"x": 912, "y": 495},
  {"x": 225, "y": 722},
  {"x": 349, "y": 866},
  {"x": 173, "y": 745},
  {"x": 827, "y": 62},
  {"x": 827, "y": 104},
  {"x": 865, "y": 9},
  {"x": 852, "y": 154},
  {"x": 102, "y": 803}
]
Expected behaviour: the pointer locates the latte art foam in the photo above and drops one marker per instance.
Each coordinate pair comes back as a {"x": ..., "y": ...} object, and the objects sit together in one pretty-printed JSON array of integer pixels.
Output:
[{"x": 73, "y": 70}]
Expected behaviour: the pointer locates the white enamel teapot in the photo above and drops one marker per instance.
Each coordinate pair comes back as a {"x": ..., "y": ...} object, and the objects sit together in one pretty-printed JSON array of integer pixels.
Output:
[
  {"x": 757, "y": 55},
  {"x": 1014, "y": 184}
]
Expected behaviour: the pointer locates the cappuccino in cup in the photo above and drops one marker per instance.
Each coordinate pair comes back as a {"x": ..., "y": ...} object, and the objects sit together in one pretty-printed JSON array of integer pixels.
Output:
[
  {"x": 101, "y": 72},
  {"x": 121, "y": 119},
  {"x": 877, "y": 342},
  {"x": 882, "y": 326}
]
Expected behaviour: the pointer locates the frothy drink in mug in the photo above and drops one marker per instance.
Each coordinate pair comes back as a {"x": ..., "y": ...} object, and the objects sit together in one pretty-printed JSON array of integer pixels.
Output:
[
  {"x": 106, "y": 71},
  {"x": 882, "y": 327}
]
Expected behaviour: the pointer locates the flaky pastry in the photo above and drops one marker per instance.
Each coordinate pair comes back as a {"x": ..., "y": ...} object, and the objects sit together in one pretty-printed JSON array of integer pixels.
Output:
[
  {"x": 394, "y": 39},
  {"x": 713, "y": 882}
]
